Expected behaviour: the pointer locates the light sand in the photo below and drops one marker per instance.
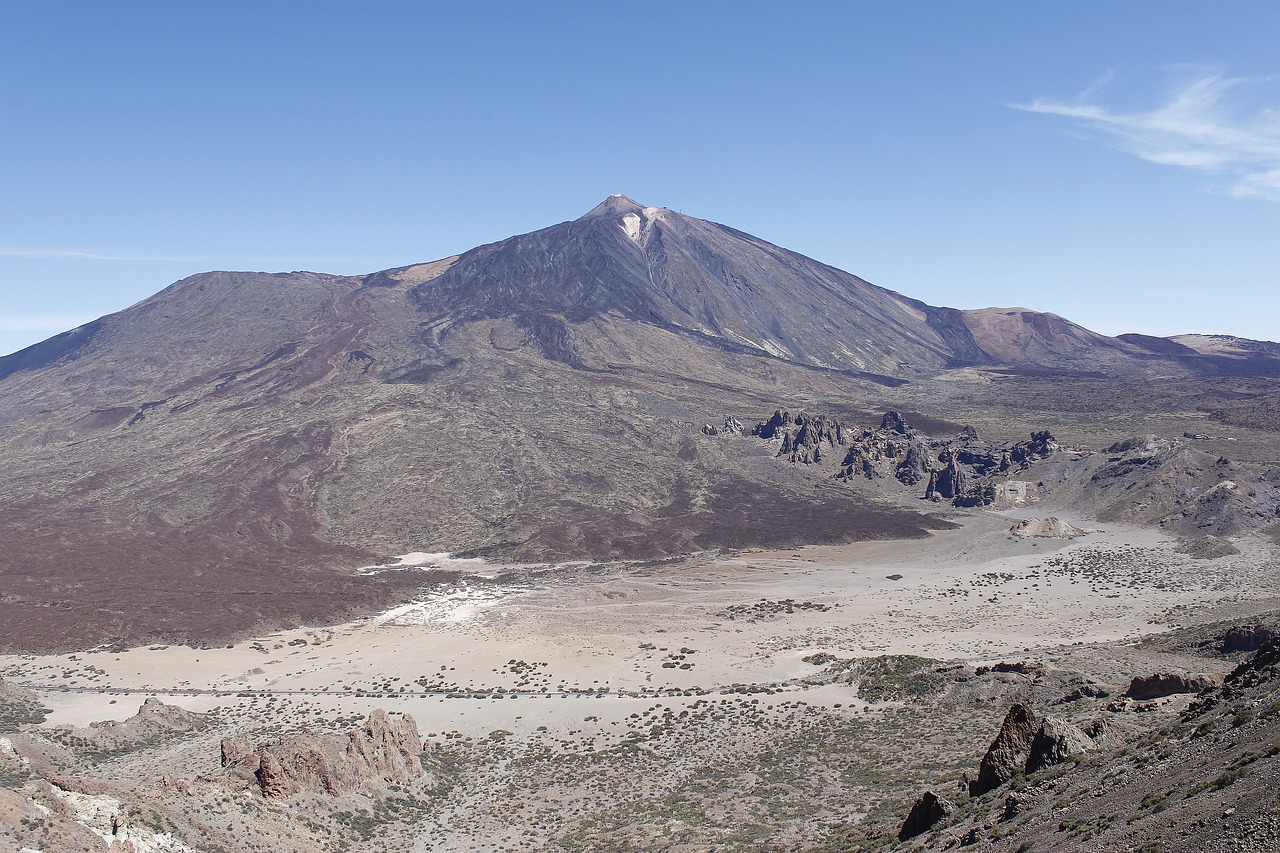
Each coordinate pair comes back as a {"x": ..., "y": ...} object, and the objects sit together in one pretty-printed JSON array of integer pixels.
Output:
[{"x": 974, "y": 593}]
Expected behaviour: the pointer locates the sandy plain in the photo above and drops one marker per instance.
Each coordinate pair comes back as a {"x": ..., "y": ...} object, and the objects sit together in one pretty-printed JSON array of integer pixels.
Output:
[
  {"x": 698, "y": 704},
  {"x": 517, "y": 648}
]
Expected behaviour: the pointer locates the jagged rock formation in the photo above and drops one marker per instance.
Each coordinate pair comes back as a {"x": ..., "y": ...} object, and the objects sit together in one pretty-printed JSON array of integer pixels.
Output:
[
  {"x": 962, "y": 471},
  {"x": 1028, "y": 744},
  {"x": 731, "y": 426},
  {"x": 1008, "y": 753},
  {"x": 894, "y": 450},
  {"x": 925, "y": 813},
  {"x": 386, "y": 750},
  {"x": 1166, "y": 684},
  {"x": 803, "y": 436}
]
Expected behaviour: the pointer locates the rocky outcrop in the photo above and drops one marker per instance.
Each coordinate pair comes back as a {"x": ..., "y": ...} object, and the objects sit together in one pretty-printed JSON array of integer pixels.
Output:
[
  {"x": 239, "y": 758},
  {"x": 1028, "y": 744},
  {"x": 1247, "y": 638},
  {"x": 928, "y": 810},
  {"x": 1021, "y": 667},
  {"x": 804, "y": 437},
  {"x": 1208, "y": 548},
  {"x": 1012, "y": 494},
  {"x": 813, "y": 433},
  {"x": 1166, "y": 684},
  {"x": 893, "y": 450},
  {"x": 955, "y": 483},
  {"x": 1050, "y": 527},
  {"x": 963, "y": 471},
  {"x": 1084, "y": 691},
  {"x": 1007, "y": 755},
  {"x": 731, "y": 426},
  {"x": 1055, "y": 742},
  {"x": 1202, "y": 782},
  {"x": 386, "y": 750},
  {"x": 155, "y": 722}
]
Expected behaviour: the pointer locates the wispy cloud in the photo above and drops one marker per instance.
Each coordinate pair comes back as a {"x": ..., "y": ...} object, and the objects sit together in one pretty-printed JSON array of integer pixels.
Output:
[
  {"x": 53, "y": 254},
  {"x": 88, "y": 256},
  {"x": 28, "y": 323},
  {"x": 1204, "y": 125}
]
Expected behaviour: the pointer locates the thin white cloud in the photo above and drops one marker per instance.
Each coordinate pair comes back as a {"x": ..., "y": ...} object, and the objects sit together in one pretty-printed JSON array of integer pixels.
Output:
[
  {"x": 27, "y": 323},
  {"x": 88, "y": 256},
  {"x": 1202, "y": 126},
  {"x": 50, "y": 254}
]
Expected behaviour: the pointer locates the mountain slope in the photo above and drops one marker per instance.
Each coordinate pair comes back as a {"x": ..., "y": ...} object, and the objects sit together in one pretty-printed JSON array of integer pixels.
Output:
[
  {"x": 691, "y": 277},
  {"x": 225, "y": 453}
]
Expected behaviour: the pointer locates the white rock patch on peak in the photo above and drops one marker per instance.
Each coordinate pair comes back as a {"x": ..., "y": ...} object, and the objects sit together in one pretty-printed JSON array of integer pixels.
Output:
[{"x": 631, "y": 224}]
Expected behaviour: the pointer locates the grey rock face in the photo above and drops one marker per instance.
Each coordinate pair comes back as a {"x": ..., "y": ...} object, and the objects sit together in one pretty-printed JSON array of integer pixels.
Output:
[
  {"x": 691, "y": 277},
  {"x": 1055, "y": 742}
]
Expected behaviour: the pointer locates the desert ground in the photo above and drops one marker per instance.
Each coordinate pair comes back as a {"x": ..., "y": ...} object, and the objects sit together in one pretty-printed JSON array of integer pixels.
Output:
[{"x": 644, "y": 705}]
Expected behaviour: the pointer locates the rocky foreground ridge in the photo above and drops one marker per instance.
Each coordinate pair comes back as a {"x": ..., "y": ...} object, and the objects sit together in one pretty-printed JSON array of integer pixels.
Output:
[{"x": 1207, "y": 779}]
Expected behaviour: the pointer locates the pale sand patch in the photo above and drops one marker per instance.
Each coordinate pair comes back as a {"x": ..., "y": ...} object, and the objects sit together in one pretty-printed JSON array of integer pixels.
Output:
[{"x": 974, "y": 593}]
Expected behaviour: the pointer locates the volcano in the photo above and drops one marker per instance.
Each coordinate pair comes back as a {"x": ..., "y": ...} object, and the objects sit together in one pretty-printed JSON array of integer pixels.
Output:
[{"x": 226, "y": 454}]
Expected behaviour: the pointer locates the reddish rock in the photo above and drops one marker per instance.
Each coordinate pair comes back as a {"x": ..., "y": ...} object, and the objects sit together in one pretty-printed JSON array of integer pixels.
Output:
[
  {"x": 1008, "y": 753},
  {"x": 385, "y": 750}
]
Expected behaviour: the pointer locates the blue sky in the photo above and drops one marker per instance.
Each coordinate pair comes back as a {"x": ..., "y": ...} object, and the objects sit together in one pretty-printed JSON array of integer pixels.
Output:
[{"x": 1117, "y": 163}]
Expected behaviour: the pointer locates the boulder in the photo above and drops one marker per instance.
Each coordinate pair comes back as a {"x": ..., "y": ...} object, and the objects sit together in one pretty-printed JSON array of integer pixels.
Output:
[
  {"x": 1055, "y": 742},
  {"x": 1166, "y": 684},
  {"x": 1247, "y": 638},
  {"x": 928, "y": 810},
  {"x": 1008, "y": 753},
  {"x": 1084, "y": 691}
]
